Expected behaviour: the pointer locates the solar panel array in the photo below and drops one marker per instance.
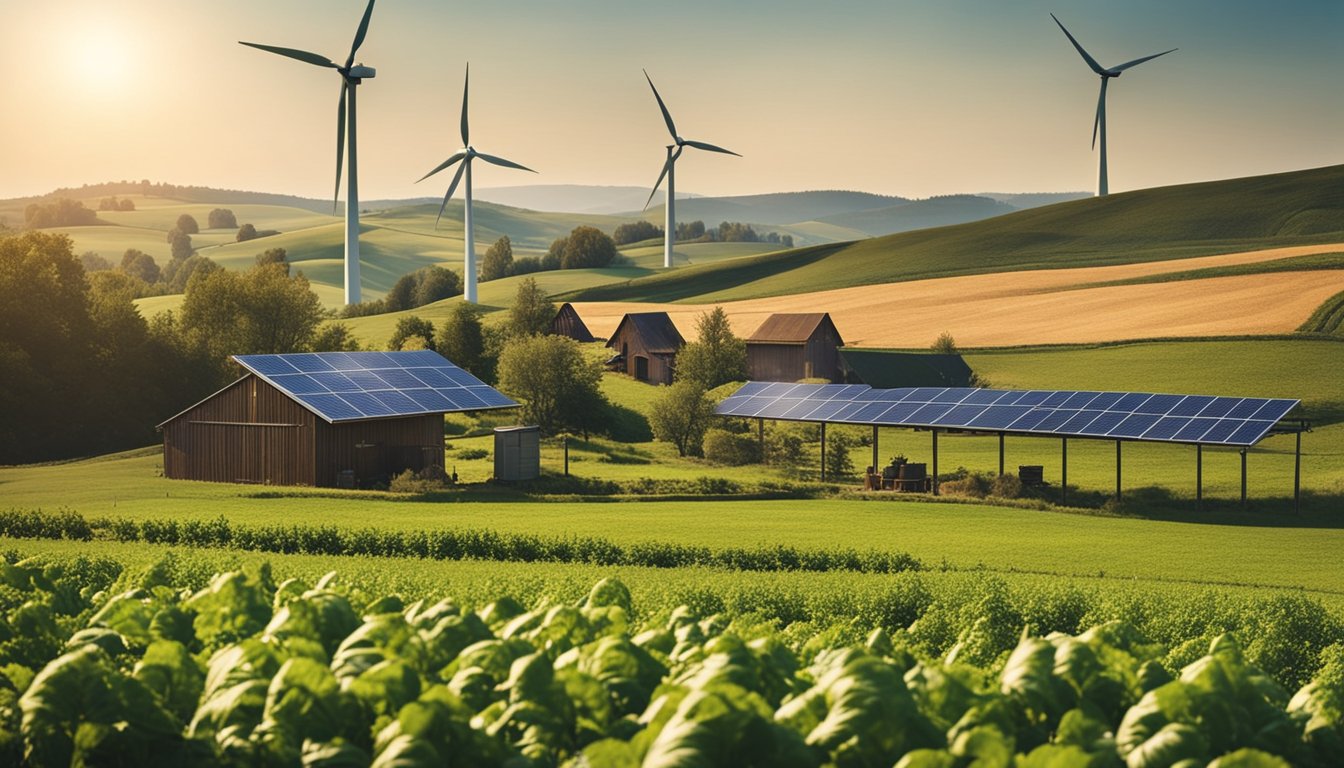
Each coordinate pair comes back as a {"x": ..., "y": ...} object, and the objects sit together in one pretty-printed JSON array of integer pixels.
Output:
[
  {"x": 352, "y": 386},
  {"x": 1232, "y": 421}
]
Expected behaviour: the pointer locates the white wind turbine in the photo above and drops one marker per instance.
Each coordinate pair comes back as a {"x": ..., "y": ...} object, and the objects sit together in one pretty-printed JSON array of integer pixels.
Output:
[
  {"x": 669, "y": 170},
  {"x": 466, "y": 155},
  {"x": 1099, "y": 126},
  {"x": 351, "y": 76}
]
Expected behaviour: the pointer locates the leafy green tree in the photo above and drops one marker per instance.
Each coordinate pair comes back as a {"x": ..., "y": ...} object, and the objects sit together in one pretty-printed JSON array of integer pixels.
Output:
[
  {"x": 412, "y": 328},
  {"x": 681, "y": 416},
  {"x": 94, "y": 262},
  {"x": 944, "y": 344},
  {"x": 556, "y": 383},
  {"x": 140, "y": 265},
  {"x": 245, "y": 233},
  {"x": 435, "y": 283},
  {"x": 126, "y": 204},
  {"x": 690, "y": 230},
  {"x": 277, "y": 256},
  {"x": 635, "y": 231},
  {"x": 554, "y": 254},
  {"x": 587, "y": 247},
  {"x": 526, "y": 265},
  {"x": 717, "y": 356},
  {"x": 221, "y": 218},
  {"x": 335, "y": 337},
  {"x": 462, "y": 340},
  {"x": 62, "y": 212},
  {"x": 839, "y": 464},
  {"x": 180, "y": 243},
  {"x": 261, "y": 311},
  {"x": 532, "y": 310},
  {"x": 180, "y": 272},
  {"x": 186, "y": 223},
  {"x": 498, "y": 260}
]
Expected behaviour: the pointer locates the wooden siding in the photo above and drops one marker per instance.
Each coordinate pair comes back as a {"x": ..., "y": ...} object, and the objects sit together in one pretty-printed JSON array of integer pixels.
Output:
[
  {"x": 249, "y": 432},
  {"x": 568, "y": 323},
  {"x": 818, "y": 358},
  {"x": 632, "y": 345},
  {"x": 389, "y": 446}
]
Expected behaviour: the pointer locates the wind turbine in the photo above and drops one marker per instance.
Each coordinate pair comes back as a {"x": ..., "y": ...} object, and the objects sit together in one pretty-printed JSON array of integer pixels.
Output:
[
  {"x": 1099, "y": 126},
  {"x": 669, "y": 170},
  {"x": 351, "y": 76},
  {"x": 466, "y": 155}
]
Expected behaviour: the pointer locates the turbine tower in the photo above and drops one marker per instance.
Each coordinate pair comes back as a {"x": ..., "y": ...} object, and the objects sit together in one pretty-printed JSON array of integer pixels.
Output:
[
  {"x": 466, "y": 155},
  {"x": 669, "y": 170},
  {"x": 351, "y": 76},
  {"x": 1099, "y": 125}
]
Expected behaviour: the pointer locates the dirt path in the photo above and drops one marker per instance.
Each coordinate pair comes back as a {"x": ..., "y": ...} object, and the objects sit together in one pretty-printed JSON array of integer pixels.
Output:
[{"x": 1039, "y": 306}]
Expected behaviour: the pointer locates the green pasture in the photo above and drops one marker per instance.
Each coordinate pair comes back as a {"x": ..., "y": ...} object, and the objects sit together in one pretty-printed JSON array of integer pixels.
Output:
[{"x": 1145, "y": 225}]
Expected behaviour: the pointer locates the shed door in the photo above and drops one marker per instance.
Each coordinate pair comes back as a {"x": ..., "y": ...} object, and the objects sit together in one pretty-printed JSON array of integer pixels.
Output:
[{"x": 642, "y": 368}]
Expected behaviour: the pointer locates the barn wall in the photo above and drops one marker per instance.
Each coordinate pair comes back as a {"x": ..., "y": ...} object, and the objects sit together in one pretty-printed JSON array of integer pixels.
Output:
[
  {"x": 775, "y": 362},
  {"x": 391, "y": 446},
  {"x": 824, "y": 354},
  {"x": 568, "y": 323},
  {"x": 249, "y": 432},
  {"x": 661, "y": 365}
]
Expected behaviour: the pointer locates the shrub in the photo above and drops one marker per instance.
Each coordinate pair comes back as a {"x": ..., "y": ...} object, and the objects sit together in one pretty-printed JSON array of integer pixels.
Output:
[
  {"x": 729, "y": 448},
  {"x": 473, "y": 453}
]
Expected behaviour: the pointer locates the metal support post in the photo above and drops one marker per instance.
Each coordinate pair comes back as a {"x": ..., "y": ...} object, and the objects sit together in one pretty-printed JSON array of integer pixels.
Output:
[
  {"x": 1199, "y": 477},
  {"x": 1243, "y": 477},
  {"x": 1000, "y": 454},
  {"x": 823, "y": 451},
  {"x": 876, "y": 469},
  {"x": 1297, "y": 475},
  {"x": 935, "y": 462},
  {"x": 1064, "y": 473},
  {"x": 1117, "y": 469}
]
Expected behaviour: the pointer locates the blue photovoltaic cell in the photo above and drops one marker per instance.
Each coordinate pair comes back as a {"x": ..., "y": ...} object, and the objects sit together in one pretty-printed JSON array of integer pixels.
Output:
[
  {"x": 1063, "y": 413},
  {"x": 345, "y": 386}
]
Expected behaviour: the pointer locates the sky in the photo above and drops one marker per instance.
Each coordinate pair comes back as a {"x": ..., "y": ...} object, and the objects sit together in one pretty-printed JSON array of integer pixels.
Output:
[{"x": 887, "y": 96}]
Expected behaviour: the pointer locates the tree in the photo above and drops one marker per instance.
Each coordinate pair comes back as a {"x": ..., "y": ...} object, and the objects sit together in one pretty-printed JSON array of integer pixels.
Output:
[
  {"x": 462, "y": 340},
  {"x": 839, "y": 465},
  {"x": 187, "y": 224},
  {"x": 222, "y": 218},
  {"x": 532, "y": 310},
  {"x": 554, "y": 254},
  {"x": 62, "y": 212},
  {"x": 681, "y": 416},
  {"x": 126, "y": 204},
  {"x": 423, "y": 286},
  {"x": 109, "y": 204},
  {"x": 635, "y": 231},
  {"x": 498, "y": 260},
  {"x": 140, "y": 265},
  {"x": 556, "y": 383},
  {"x": 180, "y": 272},
  {"x": 690, "y": 230},
  {"x": 412, "y": 328},
  {"x": 245, "y": 233},
  {"x": 717, "y": 356},
  {"x": 335, "y": 337},
  {"x": 180, "y": 243},
  {"x": 526, "y": 265},
  {"x": 261, "y": 311},
  {"x": 93, "y": 262},
  {"x": 277, "y": 256},
  {"x": 945, "y": 344},
  {"x": 587, "y": 247}
]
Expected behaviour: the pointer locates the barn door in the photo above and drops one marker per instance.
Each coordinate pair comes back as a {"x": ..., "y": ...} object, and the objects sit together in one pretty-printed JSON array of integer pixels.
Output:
[{"x": 642, "y": 368}]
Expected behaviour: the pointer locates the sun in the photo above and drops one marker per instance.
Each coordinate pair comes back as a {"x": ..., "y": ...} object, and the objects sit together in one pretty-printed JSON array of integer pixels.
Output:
[{"x": 100, "y": 55}]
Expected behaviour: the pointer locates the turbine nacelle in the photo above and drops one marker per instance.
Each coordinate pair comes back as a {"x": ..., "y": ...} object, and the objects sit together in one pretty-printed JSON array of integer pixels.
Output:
[{"x": 361, "y": 72}]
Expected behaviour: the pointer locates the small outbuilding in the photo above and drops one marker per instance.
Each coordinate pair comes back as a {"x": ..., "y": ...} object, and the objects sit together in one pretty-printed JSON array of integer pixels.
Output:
[
  {"x": 517, "y": 453},
  {"x": 791, "y": 347},
  {"x": 324, "y": 419},
  {"x": 568, "y": 323},
  {"x": 892, "y": 370},
  {"x": 646, "y": 345}
]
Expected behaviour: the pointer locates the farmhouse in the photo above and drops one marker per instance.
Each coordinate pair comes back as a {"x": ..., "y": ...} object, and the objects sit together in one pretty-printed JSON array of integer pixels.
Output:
[
  {"x": 646, "y": 345},
  {"x": 889, "y": 370},
  {"x": 323, "y": 419},
  {"x": 568, "y": 323},
  {"x": 790, "y": 347}
]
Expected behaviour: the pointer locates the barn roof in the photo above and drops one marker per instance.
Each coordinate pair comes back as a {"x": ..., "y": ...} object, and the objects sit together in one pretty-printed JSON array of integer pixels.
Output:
[
  {"x": 888, "y": 370},
  {"x": 791, "y": 328},
  {"x": 655, "y": 328},
  {"x": 568, "y": 323},
  {"x": 359, "y": 386}
]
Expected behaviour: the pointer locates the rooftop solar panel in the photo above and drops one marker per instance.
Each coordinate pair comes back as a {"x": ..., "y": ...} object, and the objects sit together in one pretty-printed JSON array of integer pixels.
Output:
[
  {"x": 1232, "y": 421},
  {"x": 351, "y": 386}
]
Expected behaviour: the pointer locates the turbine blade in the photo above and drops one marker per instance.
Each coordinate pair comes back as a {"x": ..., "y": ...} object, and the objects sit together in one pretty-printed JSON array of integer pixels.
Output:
[
  {"x": 451, "y": 188},
  {"x": 710, "y": 147},
  {"x": 360, "y": 33},
  {"x": 340, "y": 141},
  {"x": 667, "y": 117},
  {"x": 466, "y": 129},
  {"x": 501, "y": 161},
  {"x": 294, "y": 53},
  {"x": 671, "y": 158},
  {"x": 1091, "y": 62},
  {"x": 441, "y": 166},
  {"x": 1136, "y": 62}
]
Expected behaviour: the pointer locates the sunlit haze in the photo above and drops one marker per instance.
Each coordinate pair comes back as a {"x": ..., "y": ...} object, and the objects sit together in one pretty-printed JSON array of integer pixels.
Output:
[{"x": 905, "y": 98}]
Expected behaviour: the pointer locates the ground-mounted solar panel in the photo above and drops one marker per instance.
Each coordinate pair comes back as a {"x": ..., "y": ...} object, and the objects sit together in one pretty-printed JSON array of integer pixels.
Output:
[{"x": 351, "y": 386}]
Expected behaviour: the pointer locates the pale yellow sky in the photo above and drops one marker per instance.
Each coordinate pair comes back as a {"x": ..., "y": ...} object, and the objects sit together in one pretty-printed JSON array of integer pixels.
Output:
[{"x": 894, "y": 97}]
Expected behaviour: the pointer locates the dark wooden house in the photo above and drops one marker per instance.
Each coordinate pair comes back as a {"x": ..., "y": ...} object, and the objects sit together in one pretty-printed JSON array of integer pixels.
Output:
[
  {"x": 790, "y": 347},
  {"x": 568, "y": 323},
  {"x": 891, "y": 370},
  {"x": 646, "y": 345},
  {"x": 323, "y": 419}
]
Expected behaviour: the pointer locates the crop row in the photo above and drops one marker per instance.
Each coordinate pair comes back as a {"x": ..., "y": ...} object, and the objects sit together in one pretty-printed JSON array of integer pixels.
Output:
[
  {"x": 444, "y": 544},
  {"x": 142, "y": 668}
]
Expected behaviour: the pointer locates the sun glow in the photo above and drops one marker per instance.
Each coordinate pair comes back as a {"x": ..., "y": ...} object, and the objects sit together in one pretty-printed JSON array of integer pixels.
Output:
[{"x": 100, "y": 55}]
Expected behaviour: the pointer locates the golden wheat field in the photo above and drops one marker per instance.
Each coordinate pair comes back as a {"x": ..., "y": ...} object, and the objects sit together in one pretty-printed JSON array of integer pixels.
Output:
[{"x": 1039, "y": 306}]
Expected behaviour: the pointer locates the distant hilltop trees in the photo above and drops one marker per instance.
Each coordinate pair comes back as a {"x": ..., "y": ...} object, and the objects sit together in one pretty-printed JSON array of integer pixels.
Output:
[
  {"x": 113, "y": 204},
  {"x": 62, "y": 212}
]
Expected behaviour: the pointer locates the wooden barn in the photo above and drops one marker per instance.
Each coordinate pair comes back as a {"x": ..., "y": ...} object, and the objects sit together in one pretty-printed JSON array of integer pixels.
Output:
[
  {"x": 568, "y": 323},
  {"x": 790, "y": 347},
  {"x": 323, "y": 419},
  {"x": 646, "y": 345}
]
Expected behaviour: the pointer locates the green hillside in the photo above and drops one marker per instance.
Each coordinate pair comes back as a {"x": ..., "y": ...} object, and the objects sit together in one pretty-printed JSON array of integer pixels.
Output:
[
  {"x": 920, "y": 214},
  {"x": 775, "y": 208},
  {"x": 1145, "y": 225}
]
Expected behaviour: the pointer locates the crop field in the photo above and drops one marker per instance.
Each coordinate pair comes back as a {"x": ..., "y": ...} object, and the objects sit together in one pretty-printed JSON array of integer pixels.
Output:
[{"x": 1128, "y": 301}]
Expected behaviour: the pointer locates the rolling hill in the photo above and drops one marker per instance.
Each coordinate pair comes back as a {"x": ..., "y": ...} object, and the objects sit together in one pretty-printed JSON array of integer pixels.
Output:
[{"x": 1300, "y": 207}]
